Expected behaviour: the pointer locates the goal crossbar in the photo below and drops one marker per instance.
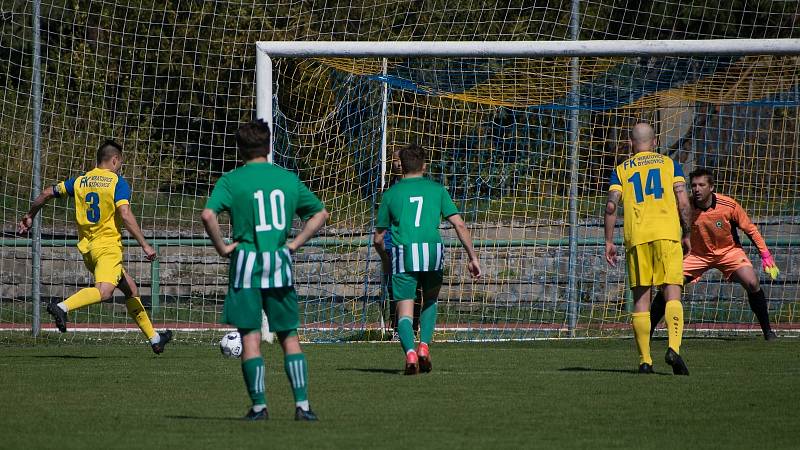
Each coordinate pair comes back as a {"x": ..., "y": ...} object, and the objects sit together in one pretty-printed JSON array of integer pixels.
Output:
[{"x": 530, "y": 49}]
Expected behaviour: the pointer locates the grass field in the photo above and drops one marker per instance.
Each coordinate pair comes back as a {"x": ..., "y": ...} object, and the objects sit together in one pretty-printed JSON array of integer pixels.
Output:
[{"x": 741, "y": 393}]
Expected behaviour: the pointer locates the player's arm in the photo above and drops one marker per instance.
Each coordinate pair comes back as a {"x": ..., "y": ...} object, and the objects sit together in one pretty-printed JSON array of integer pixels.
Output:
[
  {"x": 129, "y": 220},
  {"x": 745, "y": 224},
  {"x": 465, "y": 237},
  {"x": 378, "y": 241},
  {"x": 609, "y": 223},
  {"x": 310, "y": 228},
  {"x": 312, "y": 211},
  {"x": 381, "y": 228},
  {"x": 25, "y": 224},
  {"x": 211, "y": 224},
  {"x": 685, "y": 213},
  {"x": 220, "y": 200},
  {"x": 122, "y": 201}
]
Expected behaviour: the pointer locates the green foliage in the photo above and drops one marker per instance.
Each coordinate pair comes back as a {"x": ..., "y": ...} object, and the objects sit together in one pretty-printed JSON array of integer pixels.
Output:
[{"x": 172, "y": 80}]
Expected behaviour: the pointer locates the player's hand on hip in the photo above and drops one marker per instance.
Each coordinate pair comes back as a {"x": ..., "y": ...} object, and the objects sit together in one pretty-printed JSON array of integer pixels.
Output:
[
  {"x": 474, "y": 267},
  {"x": 686, "y": 243},
  {"x": 25, "y": 224},
  {"x": 150, "y": 252},
  {"x": 611, "y": 254},
  {"x": 292, "y": 248},
  {"x": 227, "y": 249},
  {"x": 769, "y": 266}
]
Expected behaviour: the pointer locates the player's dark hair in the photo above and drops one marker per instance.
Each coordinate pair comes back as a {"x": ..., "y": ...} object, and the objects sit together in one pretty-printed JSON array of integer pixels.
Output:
[
  {"x": 412, "y": 158},
  {"x": 107, "y": 150},
  {"x": 702, "y": 172},
  {"x": 253, "y": 139}
]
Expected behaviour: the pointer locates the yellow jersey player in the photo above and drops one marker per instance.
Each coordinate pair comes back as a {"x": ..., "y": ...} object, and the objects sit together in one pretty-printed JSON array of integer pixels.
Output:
[
  {"x": 102, "y": 206},
  {"x": 657, "y": 220}
]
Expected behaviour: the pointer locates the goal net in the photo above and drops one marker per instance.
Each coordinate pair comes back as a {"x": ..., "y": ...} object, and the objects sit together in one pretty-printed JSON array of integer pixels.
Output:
[
  {"x": 499, "y": 134},
  {"x": 173, "y": 80}
]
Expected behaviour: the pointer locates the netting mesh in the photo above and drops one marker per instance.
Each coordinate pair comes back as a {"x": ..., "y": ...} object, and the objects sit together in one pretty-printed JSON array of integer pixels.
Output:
[{"x": 173, "y": 80}]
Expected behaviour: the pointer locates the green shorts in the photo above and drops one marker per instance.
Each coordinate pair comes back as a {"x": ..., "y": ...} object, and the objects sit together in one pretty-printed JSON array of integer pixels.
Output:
[
  {"x": 404, "y": 285},
  {"x": 243, "y": 307}
]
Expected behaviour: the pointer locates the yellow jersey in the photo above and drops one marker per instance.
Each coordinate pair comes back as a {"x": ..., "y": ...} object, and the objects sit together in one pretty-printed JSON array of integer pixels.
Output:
[
  {"x": 97, "y": 195},
  {"x": 650, "y": 209}
]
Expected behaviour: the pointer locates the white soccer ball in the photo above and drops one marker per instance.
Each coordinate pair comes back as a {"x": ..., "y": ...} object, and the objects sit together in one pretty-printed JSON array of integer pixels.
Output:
[{"x": 231, "y": 345}]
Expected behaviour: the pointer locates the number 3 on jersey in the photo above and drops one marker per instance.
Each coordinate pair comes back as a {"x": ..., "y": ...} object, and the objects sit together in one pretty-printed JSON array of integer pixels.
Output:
[
  {"x": 93, "y": 210},
  {"x": 277, "y": 203},
  {"x": 652, "y": 185}
]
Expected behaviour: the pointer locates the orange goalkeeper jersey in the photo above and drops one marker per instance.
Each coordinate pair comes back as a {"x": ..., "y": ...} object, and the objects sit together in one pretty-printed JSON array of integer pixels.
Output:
[{"x": 714, "y": 229}]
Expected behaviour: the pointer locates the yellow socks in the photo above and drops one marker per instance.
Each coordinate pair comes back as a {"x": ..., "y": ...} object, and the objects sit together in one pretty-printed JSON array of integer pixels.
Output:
[
  {"x": 641, "y": 331},
  {"x": 673, "y": 316},
  {"x": 86, "y": 296},
  {"x": 137, "y": 311}
]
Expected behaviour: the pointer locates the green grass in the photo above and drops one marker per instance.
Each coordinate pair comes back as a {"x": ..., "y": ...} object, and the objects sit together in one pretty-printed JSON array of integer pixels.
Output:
[{"x": 741, "y": 393}]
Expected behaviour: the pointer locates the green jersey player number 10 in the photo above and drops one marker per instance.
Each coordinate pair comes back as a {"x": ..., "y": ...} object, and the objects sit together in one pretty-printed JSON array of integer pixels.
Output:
[{"x": 277, "y": 203}]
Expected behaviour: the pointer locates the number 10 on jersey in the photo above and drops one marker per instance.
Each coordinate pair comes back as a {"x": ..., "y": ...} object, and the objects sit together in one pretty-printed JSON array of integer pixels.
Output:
[{"x": 277, "y": 203}]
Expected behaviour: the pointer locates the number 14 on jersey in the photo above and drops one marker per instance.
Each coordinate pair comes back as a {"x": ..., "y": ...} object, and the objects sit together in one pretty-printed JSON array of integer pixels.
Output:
[{"x": 652, "y": 185}]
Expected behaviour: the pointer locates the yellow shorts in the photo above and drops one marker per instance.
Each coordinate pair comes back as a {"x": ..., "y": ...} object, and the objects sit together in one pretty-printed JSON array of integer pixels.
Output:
[
  {"x": 105, "y": 263},
  {"x": 655, "y": 263}
]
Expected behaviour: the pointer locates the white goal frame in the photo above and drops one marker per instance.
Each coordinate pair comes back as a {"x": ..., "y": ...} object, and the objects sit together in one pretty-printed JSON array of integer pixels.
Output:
[{"x": 266, "y": 50}]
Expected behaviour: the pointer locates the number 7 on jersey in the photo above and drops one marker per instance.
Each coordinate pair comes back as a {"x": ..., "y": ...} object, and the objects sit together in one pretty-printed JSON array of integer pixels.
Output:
[{"x": 419, "y": 208}]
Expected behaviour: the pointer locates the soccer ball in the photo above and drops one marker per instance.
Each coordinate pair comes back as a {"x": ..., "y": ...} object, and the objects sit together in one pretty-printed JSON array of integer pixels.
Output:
[{"x": 231, "y": 345}]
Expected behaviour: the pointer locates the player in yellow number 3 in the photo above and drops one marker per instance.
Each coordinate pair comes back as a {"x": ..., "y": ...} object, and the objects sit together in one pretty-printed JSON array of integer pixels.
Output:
[{"x": 102, "y": 206}]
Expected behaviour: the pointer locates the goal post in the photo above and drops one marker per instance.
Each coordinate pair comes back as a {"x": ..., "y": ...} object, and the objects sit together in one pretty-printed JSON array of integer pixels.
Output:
[
  {"x": 546, "y": 273},
  {"x": 530, "y": 49}
]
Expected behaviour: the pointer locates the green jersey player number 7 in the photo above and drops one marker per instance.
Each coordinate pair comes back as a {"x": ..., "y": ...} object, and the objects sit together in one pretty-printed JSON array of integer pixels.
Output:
[{"x": 413, "y": 209}]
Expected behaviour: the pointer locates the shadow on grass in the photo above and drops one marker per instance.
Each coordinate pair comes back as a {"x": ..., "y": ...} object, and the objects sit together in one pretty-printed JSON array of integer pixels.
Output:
[
  {"x": 372, "y": 370},
  {"x": 182, "y": 417},
  {"x": 590, "y": 369},
  {"x": 59, "y": 356}
]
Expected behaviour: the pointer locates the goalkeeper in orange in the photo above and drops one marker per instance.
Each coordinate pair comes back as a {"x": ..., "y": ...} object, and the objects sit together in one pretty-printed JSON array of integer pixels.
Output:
[
  {"x": 716, "y": 245},
  {"x": 102, "y": 206}
]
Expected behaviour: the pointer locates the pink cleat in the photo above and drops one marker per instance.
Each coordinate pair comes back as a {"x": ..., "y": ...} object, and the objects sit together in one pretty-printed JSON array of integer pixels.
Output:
[
  {"x": 412, "y": 368},
  {"x": 425, "y": 365}
]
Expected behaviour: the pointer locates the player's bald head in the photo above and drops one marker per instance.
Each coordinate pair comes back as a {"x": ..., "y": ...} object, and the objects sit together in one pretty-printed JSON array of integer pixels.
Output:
[{"x": 642, "y": 137}]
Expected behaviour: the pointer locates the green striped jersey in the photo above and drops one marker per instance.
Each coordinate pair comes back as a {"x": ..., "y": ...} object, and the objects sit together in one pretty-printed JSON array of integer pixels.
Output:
[
  {"x": 262, "y": 200},
  {"x": 412, "y": 210},
  {"x": 263, "y": 270}
]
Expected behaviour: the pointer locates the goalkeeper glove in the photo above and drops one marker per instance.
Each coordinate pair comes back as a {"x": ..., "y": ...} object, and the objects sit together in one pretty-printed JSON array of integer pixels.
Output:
[{"x": 768, "y": 264}]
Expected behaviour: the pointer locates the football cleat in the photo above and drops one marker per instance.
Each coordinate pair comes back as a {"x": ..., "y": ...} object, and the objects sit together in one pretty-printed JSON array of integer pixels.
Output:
[
  {"x": 412, "y": 366},
  {"x": 770, "y": 336},
  {"x": 302, "y": 415},
  {"x": 675, "y": 360},
  {"x": 158, "y": 348},
  {"x": 59, "y": 316},
  {"x": 646, "y": 368},
  {"x": 260, "y": 415},
  {"x": 424, "y": 354}
]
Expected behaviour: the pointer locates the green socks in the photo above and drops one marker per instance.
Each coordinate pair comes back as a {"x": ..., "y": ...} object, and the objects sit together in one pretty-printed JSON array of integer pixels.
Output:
[
  {"x": 406, "y": 332},
  {"x": 427, "y": 322},
  {"x": 253, "y": 372},
  {"x": 297, "y": 372}
]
